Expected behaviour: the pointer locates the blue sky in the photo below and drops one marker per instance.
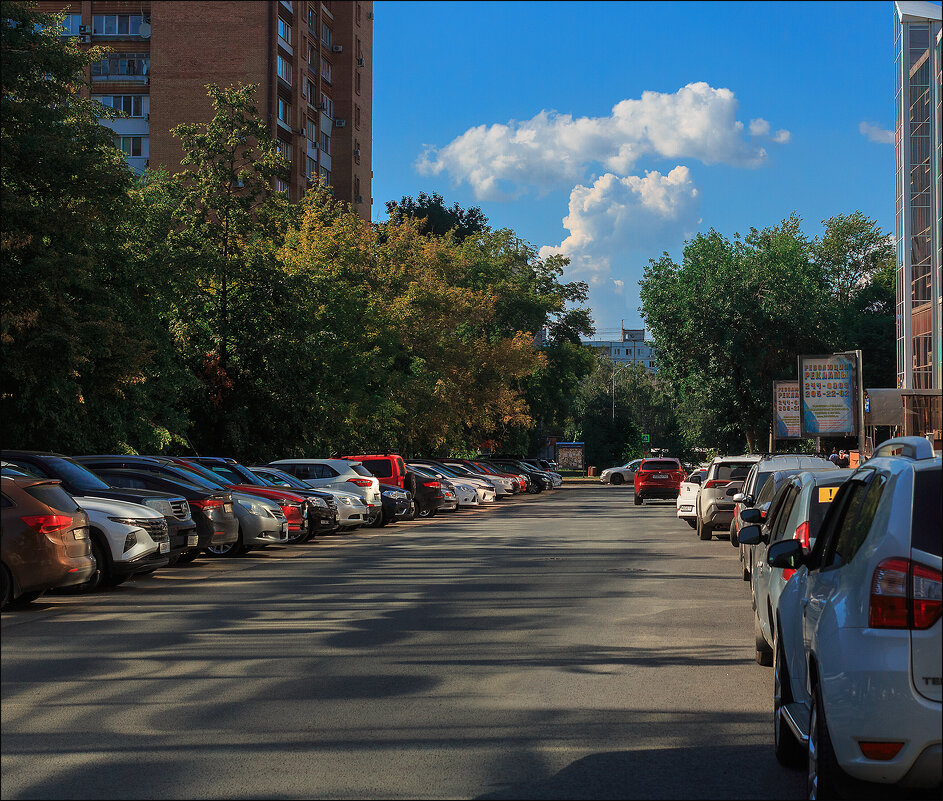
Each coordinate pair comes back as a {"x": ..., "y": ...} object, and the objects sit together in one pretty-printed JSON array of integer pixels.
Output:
[{"x": 750, "y": 111}]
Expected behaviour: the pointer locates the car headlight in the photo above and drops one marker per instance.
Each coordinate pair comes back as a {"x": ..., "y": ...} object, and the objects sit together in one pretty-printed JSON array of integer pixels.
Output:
[
  {"x": 126, "y": 521},
  {"x": 160, "y": 505},
  {"x": 346, "y": 501},
  {"x": 318, "y": 502},
  {"x": 255, "y": 508}
]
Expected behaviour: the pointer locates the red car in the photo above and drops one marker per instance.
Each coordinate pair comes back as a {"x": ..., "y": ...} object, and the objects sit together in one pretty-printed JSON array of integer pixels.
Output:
[
  {"x": 658, "y": 478},
  {"x": 388, "y": 467}
]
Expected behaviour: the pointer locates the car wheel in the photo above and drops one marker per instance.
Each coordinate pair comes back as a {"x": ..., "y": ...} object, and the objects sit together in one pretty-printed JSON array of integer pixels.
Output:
[
  {"x": 100, "y": 575},
  {"x": 616, "y": 478},
  {"x": 788, "y": 748},
  {"x": 229, "y": 549},
  {"x": 703, "y": 531},
  {"x": 26, "y": 598},
  {"x": 378, "y": 521},
  {"x": 638, "y": 500},
  {"x": 764, "y": 654},
  {"x": 6, "y": 585},
  {"x": 425, "y": 511},
  {"x": 734, "y": 539},
  {"x": 824, "y": 777},
  {"x": 691, "y": 522}
]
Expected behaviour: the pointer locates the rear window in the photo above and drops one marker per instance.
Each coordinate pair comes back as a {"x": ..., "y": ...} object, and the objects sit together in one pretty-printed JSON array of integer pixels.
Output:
[
  {"x": 822, "y": 497},
  {"x": 926, "y": 531},
  {"x": 381, "y": 468},
  {"x": 232, "y": 476},
  {"x": 400, "y": 466},
  {"x": 53, "y": 495},
  {"x": 360, "y": 470},
  {"x": 663, "y": 464},
  {"x": 733, "y": 471}
]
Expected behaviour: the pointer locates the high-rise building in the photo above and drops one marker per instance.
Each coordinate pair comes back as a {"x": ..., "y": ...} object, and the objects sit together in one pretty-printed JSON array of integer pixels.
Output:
[
  {"x": 630, "y": 349},
  {"x": 311, "y": 60},
  {"x": 918, "y": 142}
]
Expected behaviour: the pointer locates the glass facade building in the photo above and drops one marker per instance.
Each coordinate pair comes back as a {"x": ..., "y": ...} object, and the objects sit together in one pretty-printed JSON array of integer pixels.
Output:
[{"x": 917, "y": 34}]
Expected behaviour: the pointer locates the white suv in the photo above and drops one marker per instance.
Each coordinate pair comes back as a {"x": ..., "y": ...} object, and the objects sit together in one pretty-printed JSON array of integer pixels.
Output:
[{"x": 857, "y": 640}]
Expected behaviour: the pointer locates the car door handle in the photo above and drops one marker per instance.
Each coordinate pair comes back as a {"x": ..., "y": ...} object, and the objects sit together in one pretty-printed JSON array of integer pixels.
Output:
[{"x": 804, "y": 602}]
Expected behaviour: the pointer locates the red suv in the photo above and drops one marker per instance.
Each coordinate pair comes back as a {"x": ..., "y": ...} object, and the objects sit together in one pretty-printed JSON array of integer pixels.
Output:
[
  {"x": 658, "y": 478},
  {"x": 388, "y": 467}
]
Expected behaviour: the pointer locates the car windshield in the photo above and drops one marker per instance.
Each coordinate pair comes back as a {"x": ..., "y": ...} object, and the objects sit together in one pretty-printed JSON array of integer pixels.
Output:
[
  {"x": 460, "y": 470},
  {"x": 448, "y": 471},
  {"x": 79, "y": 477},
  {"x": 423, "y": 471},
  {"x": 280, "y": 478},
  {"x": 733, "y": 471},
  {"x": 485, "y": 468},
  {"x": 209, "y": 475}
]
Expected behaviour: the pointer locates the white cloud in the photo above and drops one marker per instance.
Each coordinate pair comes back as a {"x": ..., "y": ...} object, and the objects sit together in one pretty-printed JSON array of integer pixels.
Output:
[
  {"x": 759, "y": 127},
  {"x": 616, "y": 225},
  {"x": 875, "y": 133},
  {"x": 551, "y": 149}
]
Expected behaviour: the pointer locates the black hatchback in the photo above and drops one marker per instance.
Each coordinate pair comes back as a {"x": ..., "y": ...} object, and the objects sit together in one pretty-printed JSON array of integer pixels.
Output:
[{"x": 78, "y": 480}]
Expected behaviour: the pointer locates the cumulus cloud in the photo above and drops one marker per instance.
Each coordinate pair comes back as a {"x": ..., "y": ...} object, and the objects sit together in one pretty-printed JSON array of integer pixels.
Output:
[
  {"x": 616, "y": 224},
  {"x": 502, "y": 161},
  {"x": 875, "y": 133}
]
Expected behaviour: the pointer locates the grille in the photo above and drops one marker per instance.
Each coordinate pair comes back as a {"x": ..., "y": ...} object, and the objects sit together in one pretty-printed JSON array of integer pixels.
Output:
[
  {"x": 331, "y": 504},
  {"x": 181, "y": 509},
  {"x": 156, "y": 529}
]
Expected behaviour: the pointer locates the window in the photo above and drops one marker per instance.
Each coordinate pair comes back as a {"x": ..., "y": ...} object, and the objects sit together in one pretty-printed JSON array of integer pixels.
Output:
[
  {"x": 284, "y": 70},
  {"x": 285, "y": 149},
  {"x": 280, "y": 185},
  {"x": 131, "y": 105},
  {"x": 284, "y": 112},
  {"x": 119, "y": 65},
  {"x": 357, "y": 150},
  {"x": 925, "y": 526},
  {"x": 70, "y": 25},
  {"x": 356, "y": 186},
  {"x": 131, "y": 145},
  {"x": 311, "y": 131},
  {"x": 284, "y": 31},
  {"x": 779, "y": 528},
  {"x": 116, "y": 24},
  {"x": 856, "y": 524},
  {"x": 357, "y": 82},
  {"x": 326, "y": 70},
  {"x": 327, "y": 35},
  {"x": 356, "y": 116},
  {"x": 313, "y": 20},
  {"x": 326, "y": 175},
  {"x": 328, "y": 105},
  {"x": 312, "y": 57},
  {"x": 325, "y": 143},
  {"x": 312, "y": 171},
  {"x": 310, "y": 92}
]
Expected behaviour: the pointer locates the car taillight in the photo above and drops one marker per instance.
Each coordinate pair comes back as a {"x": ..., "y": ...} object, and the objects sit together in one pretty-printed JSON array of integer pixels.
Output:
[
  {"x": 47, "y": 524},
  {"x": 802, "y": 534},
  {"x": 206, "y": 503},
  {"x": 905, "y": 594},
  {"x": 360, "y": 482},
  {"x": 432, "y": 484},
  {"x": 716, "y": 482}
]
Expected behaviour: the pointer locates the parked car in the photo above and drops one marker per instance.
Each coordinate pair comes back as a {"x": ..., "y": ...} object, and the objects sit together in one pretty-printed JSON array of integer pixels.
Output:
[
  {"x": 725, "y": 476},
  {"x": 483, "y": 487},
  {"x": 389, "y": 468},
  {"x": 538, "y": 480},
  {"x": 620, "y": 475},
  {"x": 429, "y": 494},
  {"x": 759, "y": 474},
  {"x": 78, "y": 480},
  {"x": 755, "y": 515},
  {"x": 258, "y": 524},
  {"x": 397, "y": 503},
  {"x": 43, "y": 539},
  {"x": 796, "y": 511},
  {"x": 519, "y": 481},
  {"x": 323, "y": 511},
  {"x": 502, "y": 485},
  {"x": 236, "y": 477},
  {"x": 687, "y": 496},
  {"x": 466, "y": 494},
  {"x": 126, "y": 539},
  {"x": 857, "y": 635},
  {"x": 658, "y": 478},
  {"x": 211, "y": 510},
  {"x": 340, "y": 474},
  {"x": 543, "y": 464}
]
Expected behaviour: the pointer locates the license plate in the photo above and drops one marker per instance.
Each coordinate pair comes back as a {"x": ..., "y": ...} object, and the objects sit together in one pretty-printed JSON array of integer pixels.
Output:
[
  {"x": 659, "y": 476},
  {"x": 285, "y": 529},
  {"x": 192, "y": 541},
  {"x": 165, "y": 547},
  {"x": 686, "y": 508}
]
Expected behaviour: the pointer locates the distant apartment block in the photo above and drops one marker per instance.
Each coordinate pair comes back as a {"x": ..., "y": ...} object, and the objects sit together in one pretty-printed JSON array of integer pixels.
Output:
[
  {"x": 312, "y": 62},
  {"x": 630, "y": 349}
]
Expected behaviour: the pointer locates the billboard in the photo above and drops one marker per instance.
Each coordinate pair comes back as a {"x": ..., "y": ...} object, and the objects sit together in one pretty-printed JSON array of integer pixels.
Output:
[
  {"x": 828, "y": 395},
  {"x": 570, "y": 455},
  {"x": 786, "y": 409}
]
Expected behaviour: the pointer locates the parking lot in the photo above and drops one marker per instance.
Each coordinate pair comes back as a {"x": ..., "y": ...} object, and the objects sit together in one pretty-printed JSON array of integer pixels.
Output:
[{"x": 567, "y": 645}]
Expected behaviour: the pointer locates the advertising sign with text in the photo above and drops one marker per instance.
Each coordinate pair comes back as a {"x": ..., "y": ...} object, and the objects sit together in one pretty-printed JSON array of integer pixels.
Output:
[
  {"x": 827, "y": 397},
  {"x": 786, "y": 409}
]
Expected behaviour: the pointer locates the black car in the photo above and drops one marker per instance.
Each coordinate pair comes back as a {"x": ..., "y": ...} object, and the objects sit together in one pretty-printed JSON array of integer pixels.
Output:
[
  {"x": 427, "y": 494},
  {"x": 539, "y": 480},
  {"x": 212, "y": 511},
  {"x": 322, "y": 518},
  {"x": 78, "y": 480},
  {"x": 396, "y": 502}
]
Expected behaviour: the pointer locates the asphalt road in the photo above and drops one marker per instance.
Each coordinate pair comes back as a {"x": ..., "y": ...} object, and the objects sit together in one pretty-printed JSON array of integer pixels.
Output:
[{"x": 565, "y": 645}]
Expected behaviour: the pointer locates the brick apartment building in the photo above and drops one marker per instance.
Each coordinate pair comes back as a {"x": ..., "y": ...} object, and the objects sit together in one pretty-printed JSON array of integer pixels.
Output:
[{"x": 312, "y": 62}]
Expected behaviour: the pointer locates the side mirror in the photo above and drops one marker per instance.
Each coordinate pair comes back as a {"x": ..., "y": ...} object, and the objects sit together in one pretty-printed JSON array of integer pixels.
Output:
[
  {"x": 740, "y": 498},
  {"x": 752, "y": 516},
  {"x": 695, "y": 479},
  {"x": 750, "y": 535},
  {"x": 785, "y": 554}
]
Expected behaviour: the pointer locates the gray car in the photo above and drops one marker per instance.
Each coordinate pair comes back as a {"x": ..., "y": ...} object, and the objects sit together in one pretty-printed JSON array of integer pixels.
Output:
[
  {"x": 261, "y": 522},
  {"x": 715, "y": 506}
]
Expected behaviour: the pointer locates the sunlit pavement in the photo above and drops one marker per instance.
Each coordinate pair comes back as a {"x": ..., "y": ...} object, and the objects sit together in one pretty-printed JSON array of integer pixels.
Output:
[{"x": 564, "y": 645}]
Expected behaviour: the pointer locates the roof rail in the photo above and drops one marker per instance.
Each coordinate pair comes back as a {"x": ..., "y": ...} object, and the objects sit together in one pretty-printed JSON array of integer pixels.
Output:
[{"x": 908, "y": 447}]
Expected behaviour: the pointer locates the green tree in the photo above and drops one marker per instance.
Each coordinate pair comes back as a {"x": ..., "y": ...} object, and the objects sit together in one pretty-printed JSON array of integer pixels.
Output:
[{"x": 438, "y": 219}]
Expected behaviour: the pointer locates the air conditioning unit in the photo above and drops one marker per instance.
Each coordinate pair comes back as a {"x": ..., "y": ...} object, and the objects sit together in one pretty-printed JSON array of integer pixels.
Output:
[
  {"x": 337, "y": 49},
  {"x": 360, "y": 62},
  {"x": 300, "y": 131},
  {"x": 359, "y": 199},
  {"x": 84, "y": 29},
  {"x": 340, "y": 123}
]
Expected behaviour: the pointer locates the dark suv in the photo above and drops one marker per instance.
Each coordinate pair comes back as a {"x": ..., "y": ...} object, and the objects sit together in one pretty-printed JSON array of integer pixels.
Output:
[{"x": 78, "y": 480}]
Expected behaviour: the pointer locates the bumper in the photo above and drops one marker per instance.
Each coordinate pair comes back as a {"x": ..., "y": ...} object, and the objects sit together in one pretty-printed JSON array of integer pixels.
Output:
[
  {"x": 875, "y": 700},
  {"x": 348, "y": 516},
  {"x": 664, "y": 491},
  {"x": 141, "y": 564},
  {"x": 686, "y": 509},
  {"x": 183, "y": 536},
  {"x": 718, "y": 515}
]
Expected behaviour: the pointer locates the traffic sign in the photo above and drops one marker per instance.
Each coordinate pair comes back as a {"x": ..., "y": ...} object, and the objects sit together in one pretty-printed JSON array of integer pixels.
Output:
[{"x": 646, "y": 438}]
